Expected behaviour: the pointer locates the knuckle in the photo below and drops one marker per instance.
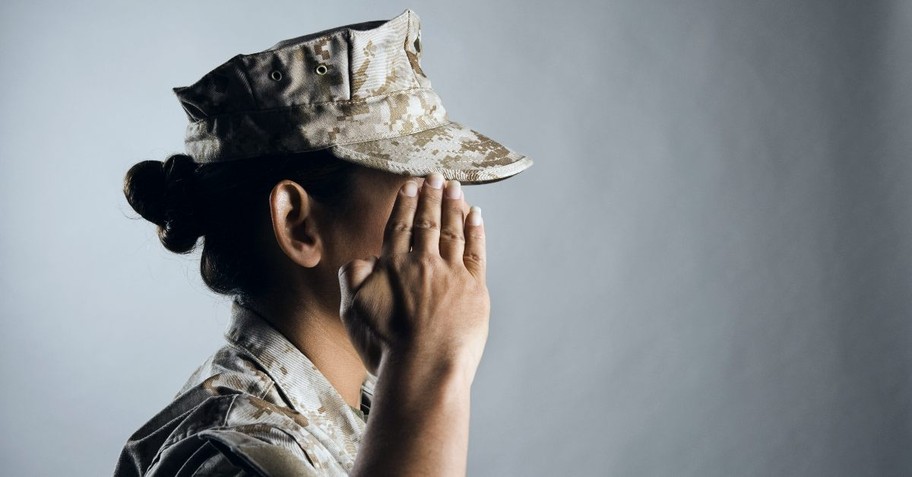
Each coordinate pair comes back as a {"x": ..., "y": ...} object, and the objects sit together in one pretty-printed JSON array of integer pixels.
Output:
[
  {"x": 474, "y": 257},
  {"x": 451, "y": 235},
  {"x": 398, "y": 226},
  {"x": 426, "y": 224}
]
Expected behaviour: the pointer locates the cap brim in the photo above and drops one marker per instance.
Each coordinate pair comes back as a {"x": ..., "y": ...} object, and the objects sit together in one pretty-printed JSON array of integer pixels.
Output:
[{"x": 453, "y": 150}]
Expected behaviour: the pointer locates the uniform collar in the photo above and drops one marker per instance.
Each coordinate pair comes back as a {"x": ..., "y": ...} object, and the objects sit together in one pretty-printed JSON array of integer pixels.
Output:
[{"x": 303, "y": 385}]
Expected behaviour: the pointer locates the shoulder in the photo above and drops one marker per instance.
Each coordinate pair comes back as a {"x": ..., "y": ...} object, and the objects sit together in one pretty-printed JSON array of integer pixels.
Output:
[
  {"x": 229, "y": 371},
  {"x": 230, "y": 413},
  {"x": 263, "y": 449},
  {"x": 247, "y": 451},
  {"x": 243, "y": 435},
  {"x": 227, "y": 452}
]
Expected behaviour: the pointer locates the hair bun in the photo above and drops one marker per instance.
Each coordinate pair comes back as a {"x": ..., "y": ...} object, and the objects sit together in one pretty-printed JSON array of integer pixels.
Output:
[{"x": 164, "y": 193}]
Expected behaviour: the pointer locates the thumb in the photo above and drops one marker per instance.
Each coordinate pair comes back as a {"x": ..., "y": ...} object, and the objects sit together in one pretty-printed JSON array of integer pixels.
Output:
[{"x": 353, "y": 274}]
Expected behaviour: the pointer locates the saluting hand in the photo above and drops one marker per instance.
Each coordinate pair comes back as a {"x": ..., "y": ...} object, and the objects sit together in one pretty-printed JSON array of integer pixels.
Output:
[{"x": 425, "y": 297}]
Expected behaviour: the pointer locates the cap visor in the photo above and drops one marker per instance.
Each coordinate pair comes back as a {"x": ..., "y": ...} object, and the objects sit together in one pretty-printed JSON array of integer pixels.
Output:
[{"x": 453, "y": 150}]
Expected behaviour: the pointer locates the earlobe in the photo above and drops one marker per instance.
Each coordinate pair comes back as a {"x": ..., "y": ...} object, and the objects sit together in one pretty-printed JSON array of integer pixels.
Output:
[{"x": 293, "y": 224}]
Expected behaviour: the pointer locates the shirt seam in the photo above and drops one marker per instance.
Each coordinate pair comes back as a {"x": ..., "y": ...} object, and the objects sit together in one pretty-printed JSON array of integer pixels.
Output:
[
  {"x": 272, "y": 379},
  {"x": 228, "y": 410}
]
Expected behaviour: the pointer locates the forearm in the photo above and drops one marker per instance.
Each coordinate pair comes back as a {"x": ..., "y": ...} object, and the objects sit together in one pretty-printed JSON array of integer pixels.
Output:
[
  {"x": 429, "y": 349},
  {"x": 419, "y": 421}
]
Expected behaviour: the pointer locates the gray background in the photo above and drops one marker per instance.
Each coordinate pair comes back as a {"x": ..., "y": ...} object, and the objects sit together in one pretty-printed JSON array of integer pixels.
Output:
[{"x": 706, "y": 273}]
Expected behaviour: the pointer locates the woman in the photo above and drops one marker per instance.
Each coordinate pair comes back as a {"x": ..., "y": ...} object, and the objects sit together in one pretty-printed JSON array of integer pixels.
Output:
[{"x": 315, "y": 175}]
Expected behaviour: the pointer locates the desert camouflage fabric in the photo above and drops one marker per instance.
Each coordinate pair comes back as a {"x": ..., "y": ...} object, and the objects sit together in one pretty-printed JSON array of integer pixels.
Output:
[
  {"x": 258, "y": 406},
  {"x": 358, "y": 90}
]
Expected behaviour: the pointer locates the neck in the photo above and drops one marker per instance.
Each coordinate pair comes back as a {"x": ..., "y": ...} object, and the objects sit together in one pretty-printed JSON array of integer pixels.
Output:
[{"x": 317, "y": 331}]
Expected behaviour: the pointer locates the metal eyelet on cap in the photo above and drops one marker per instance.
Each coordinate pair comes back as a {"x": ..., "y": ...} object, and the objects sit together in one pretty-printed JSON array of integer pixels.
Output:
[
  {"x": 321, "y": 70},
  {"x": 276, "y": 75}
]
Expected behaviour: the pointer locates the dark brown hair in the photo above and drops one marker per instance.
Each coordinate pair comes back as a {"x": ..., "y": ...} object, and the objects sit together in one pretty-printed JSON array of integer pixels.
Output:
[{"x": 227, "y": 205}]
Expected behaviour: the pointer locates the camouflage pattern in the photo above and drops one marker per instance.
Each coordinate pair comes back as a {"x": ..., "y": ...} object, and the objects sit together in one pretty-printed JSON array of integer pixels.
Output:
[
  {"x": 358, "y": 90},
  {"x": 258, "y": 406}
]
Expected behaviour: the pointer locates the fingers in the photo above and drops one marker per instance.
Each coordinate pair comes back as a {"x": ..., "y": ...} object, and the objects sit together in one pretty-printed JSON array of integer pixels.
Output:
[
  {"x": 426, "y": 225},
  {"x": 433, "y": 221},
  {"x": 474, "y": 256},
  {"x": 452, "y": 238},
  {"x": 397, "y": 237}
]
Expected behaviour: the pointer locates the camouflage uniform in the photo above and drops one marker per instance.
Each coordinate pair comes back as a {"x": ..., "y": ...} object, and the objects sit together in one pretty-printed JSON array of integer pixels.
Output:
[{"x": 258, "y": 406}]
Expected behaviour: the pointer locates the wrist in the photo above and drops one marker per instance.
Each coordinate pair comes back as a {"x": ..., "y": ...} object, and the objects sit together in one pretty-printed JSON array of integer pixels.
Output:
[
  {"x": 420, "y": 413},
  {"x": 429, "y": 369}
]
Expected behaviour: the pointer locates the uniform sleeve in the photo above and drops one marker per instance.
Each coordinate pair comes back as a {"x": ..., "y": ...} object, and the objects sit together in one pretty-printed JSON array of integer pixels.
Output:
[
  {"x": 241, "y": 454},
  {"x": 209, "y": 461}
]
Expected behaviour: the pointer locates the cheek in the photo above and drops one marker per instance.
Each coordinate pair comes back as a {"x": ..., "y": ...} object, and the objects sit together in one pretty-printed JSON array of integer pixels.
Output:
[
  {"x": 376, "y": 244},
  {"x": 368, "y": 213},
  {"x": 370, "y": 229}
]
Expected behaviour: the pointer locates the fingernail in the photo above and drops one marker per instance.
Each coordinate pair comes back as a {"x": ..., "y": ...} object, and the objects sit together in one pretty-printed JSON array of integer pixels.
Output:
[
  {"x": 410, "y": 189},
  {"x": 435, "y": 180},
  {"x": 475, "y": 216},
  {"x": 453, "y": 190}
]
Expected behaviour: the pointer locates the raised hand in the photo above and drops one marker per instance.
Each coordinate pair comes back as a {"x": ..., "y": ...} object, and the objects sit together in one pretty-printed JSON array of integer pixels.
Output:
[{"x": 425, "y": 296}]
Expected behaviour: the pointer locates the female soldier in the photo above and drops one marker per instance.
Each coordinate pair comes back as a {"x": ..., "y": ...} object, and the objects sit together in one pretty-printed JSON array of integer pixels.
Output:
[{"x": 316, "y": 174}]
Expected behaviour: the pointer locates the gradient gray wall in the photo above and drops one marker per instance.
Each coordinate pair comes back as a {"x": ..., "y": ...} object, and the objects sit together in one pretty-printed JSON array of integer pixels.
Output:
[{"x": 706, "y": 273}]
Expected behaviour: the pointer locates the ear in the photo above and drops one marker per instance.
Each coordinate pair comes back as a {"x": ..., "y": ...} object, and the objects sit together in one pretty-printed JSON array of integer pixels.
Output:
[{"x": 293, "y": 224}]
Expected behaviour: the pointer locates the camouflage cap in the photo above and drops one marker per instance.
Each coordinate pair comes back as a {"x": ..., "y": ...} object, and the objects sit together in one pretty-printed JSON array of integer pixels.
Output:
[{"x": 357, "y": 90}]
